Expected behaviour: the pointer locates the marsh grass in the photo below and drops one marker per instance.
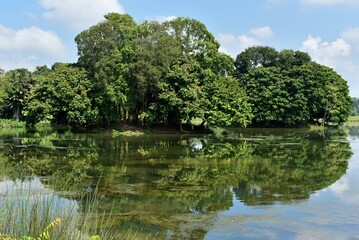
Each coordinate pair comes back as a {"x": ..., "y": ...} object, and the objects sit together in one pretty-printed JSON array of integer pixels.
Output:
[{"x": 27, "y": 208}]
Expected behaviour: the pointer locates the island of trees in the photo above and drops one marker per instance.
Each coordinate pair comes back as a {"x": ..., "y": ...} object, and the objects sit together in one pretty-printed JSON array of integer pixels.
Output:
[{"x": 170, "y": 73}]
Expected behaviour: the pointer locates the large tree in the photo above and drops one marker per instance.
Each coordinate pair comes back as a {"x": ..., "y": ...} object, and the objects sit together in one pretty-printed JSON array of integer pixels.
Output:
[
  {"x": 105, "y": 51},
  {"x": 226, "y": 103},
  {"x": 276, "y": 98},
  {"x": 310, "y": 93},
  {"x": 62, "y": 97},
  {"x": 328, "y": 95},
  {"x": 180, "y": 94},
  {"x": 156, "y": 51},
  {"x": 254, "y": 57}
]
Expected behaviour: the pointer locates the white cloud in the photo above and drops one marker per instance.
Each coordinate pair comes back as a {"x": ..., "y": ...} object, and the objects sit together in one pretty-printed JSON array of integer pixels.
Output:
[
  {"x": 330, "y": 54},
  {"x": 351, "y": 34},
  {"x": 337, "y": 55},
  {"x": 28, "y": 46},
  {"x": 13, "y": 61},
  {"x": 79, "y": 14},
  {"x": 30, "y": 40},
  {"x": 233, "y": 45},
  {"x": 341, "y": 186},
  {"x": 261, "y": 32},
  {"x": 328, "y": 2}
]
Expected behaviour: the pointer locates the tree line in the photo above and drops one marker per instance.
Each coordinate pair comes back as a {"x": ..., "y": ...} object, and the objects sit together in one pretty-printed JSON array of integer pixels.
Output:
[{"x": 170, "y": 73}]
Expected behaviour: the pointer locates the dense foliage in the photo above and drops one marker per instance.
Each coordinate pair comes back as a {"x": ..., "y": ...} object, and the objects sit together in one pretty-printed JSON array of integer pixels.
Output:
[
  {"x": 171, "y": 73},
  {"x": 288, "y": 89}
]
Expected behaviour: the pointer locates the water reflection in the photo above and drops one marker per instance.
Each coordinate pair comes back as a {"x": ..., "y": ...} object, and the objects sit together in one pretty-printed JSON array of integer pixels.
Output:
[{"x": 173, "y": 186}]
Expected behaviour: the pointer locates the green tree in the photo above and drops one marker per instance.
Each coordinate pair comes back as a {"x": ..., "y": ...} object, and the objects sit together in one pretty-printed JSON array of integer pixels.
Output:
[
  {"x": 155, "y": 53},
  {"x": 105, "y": 51},
  {"x": 289, "y": 58},
  {"x": 276, "y": 98},
  {"x": 287, "y": 89},
  {"x": 180, "y": 94},
  {"x": 226, "y": 103},
  {"x": 328, "y": 95},
  {"x": 193, "y": 35},
  {"x": 100, "y": 40},
  {"x": 3, "y": 94},
  {"x": 63, "y": 98},
  {"x": 254, "y": 57},
  {"x": 16, "y": 85}
]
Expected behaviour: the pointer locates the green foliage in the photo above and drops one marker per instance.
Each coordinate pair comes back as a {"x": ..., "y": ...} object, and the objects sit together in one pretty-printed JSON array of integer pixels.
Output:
[
  {"x": 63, "y": 98},
  {"x": 15, "y": 89},
  {"x": 255, "y": 57},
  {"x": 286, "y": 89},
  {"x": 28, "y": 206},
  {"x": 180, "y": 95},
  {"x": 105, "y": 51},
  {"x": 277, "y": 99},
  {"x": 155, "y": 52},
  {"x": 45, "y": 235},
  {"x": 193, "y": 35},
  {"x": 226, "y": 103},
  {"x": 169, "y": 73},
  {"x": 288, "y": 58},
  {"x": 328, "y": 94},
  {"x": 7, "y": 123},
  {"x": 100, "y": 40}
]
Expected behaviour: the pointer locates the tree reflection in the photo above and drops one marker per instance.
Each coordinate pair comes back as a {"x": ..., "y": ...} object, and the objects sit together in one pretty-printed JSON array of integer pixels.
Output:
[
  {"x": 284, "y": 167},
  {"x": 171, "y": 186}
]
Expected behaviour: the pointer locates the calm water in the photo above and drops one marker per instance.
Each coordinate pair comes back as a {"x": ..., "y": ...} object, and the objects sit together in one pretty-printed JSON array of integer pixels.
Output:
[{"x": 235, "y": 184}]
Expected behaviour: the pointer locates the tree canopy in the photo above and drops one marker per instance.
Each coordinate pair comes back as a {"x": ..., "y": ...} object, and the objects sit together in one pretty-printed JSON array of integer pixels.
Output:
[
  {"x": 287, "y": 89},
  {"x": 171, "y": 73}
]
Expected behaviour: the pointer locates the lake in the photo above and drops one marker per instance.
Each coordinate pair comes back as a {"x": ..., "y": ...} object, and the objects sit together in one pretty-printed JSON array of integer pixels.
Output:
[{"x": 233, "y": 184}]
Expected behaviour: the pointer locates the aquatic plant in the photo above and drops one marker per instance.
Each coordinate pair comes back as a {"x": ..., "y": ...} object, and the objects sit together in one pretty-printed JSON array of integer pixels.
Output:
[{"x": 28, "y": 206}]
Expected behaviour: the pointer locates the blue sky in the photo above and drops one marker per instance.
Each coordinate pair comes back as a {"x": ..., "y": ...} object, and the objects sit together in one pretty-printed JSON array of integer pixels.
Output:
[{"x": 38, "y": 32}]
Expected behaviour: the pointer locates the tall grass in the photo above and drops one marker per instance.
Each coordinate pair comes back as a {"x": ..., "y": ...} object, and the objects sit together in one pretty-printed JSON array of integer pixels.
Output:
[{"x": 27, "y": 208}]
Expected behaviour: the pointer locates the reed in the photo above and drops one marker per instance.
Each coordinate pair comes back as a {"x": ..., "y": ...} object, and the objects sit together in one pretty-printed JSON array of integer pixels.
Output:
[{"x": 27, "y": 209}]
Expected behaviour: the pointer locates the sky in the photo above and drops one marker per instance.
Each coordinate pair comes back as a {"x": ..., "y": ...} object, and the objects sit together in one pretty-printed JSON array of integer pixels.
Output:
[{"x": 38, "y": 32}]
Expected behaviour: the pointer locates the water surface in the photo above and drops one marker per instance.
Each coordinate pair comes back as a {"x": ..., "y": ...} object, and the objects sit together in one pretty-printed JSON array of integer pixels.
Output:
[{"x": 235, "y": 184}]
